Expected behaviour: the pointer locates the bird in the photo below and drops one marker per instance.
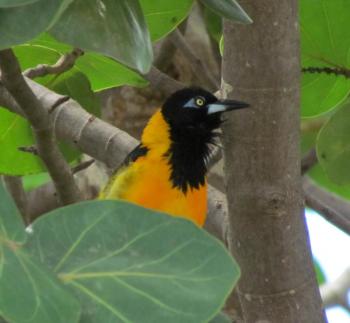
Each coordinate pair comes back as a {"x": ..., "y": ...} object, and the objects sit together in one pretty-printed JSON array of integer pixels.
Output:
[{"x": 167, "y": 170}]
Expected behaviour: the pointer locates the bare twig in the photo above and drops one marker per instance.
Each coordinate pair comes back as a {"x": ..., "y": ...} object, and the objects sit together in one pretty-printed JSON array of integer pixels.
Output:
[
  {"x": 336, "y": 292},
  {"x": 15, "y": 186},
  {"x": 64, "y": 63},
  {"x": 331, "y": 207},
  {"x": 29, "y": 149},
  {"x": 82, "y": 166},
  {"x": 308, "y": 161},
  {"x": 339, "y": 71},
  {"x": 42, "y": 127},
  {"x": 199, "y": 69}
]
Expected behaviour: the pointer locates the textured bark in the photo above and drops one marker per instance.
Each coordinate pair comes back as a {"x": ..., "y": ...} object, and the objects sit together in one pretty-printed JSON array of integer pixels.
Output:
[{"x": 268, "y": 232}]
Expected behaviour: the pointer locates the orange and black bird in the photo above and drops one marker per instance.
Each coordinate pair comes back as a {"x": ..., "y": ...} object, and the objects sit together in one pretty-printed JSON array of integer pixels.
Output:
[{"x": 167, "y": 170}]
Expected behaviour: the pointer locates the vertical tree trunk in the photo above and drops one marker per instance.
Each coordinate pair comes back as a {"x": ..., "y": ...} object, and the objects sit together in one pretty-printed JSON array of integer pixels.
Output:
[{"x": 269, "y": 236}]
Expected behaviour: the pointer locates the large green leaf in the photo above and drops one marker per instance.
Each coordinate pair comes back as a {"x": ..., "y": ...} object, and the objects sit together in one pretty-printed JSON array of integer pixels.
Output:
[
  {"x": 325, "y": 42},
  {"x": 162, "y": 17},
  {"x": 130, "y": 264},
  {"x": 114, "y": 28},
  {"x": 333, "y": 145},
  {"x": 221, "y": 318},
  {"x": 15, "y": 3},
  {"x": 102, "y": 72},
  {"x": 28, "y": 293},
  {"x": 15, "y": 132},
  {"x": 229, "y": 9},
  {"x": 19, "y": 24}
]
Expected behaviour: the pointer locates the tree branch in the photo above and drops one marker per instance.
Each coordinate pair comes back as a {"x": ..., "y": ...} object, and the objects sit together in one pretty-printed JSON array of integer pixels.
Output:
[
  {"x": 39, "y": 118},
  {"x": 333, "y": 208},
  {"x": 308, "y": 161},
  {"x": 199, "y": 69},
  {"x": 336, "y": 292},
  {"x": 64, "y": 63}
]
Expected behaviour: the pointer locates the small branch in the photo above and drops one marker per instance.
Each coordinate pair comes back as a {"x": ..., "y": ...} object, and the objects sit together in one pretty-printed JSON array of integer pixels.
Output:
[
  {"x": 308, "y": 161},
  {"x": 331, "y": 207},
  {"x": 163, "y": 82},
  {"x": 29, "y": 149},
  {"x": 338, "y": 71},
  {"x": 82, "y": 166},
  {"x": 199, "y": 69},
  {"x": 64, "y": 63},
  {"x": 15, "y": 186},
  {"x": 336, "y": 292},
  {"x": 39, "y": 118}
]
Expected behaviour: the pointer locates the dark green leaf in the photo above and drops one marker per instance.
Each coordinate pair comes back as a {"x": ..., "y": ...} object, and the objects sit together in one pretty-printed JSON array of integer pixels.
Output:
[
  {"x": 325, "y": 42},
  {"x": 114, "y": 28},
  {"x": 162, "y": 17},
  {"x": 15, "y": 3},
  {"x": 19, "y": 24},
  {"x": 333, "y": 145},
  {"x": 229, "y": 9},
  {"x": 213, "y": 23},
  {"x": 11, "y": 224},
  {"x": 119, "y": 258},
  {"x": 221, "y": 318}
]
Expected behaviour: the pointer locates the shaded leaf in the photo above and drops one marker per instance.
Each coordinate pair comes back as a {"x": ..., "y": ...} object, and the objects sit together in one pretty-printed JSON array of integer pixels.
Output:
[
  {"x": 11, "y": 224},
  {"x": 229, "y": 9},
  {"x": 119, "y": 258},
  {"x": 213, "y": 23},
  {"x": 333, "y": 145},
  {"x": 325, "y": 42},
  {"x": 15, "y": 3},
  {"x": 114, "y": 28},
  {"x": 102, "y": 72},
  {"x": 20, "y": 24},
  {"x": 221, "y": 318},
  {"x": 162, "y": 17}
]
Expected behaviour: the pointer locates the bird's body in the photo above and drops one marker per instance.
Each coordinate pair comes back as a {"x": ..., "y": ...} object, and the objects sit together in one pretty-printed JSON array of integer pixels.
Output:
[{"x": 167, "y": 171}]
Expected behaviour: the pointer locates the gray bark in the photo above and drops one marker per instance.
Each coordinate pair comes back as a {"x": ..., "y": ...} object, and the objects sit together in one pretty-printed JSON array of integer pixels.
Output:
[{"x": 268, "y": 233}]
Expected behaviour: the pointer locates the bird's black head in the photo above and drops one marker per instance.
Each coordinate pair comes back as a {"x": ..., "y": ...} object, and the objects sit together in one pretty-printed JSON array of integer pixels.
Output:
[
  {"x": 196, "y": 108},
  {"x": 193, "y": 114}
]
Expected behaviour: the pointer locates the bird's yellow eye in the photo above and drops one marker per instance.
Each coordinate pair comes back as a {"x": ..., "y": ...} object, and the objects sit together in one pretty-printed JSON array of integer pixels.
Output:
[{"x": 199, "y": 102}]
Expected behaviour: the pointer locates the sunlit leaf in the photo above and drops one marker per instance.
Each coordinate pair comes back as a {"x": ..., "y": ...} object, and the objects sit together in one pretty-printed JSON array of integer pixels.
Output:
[
  {"x": 325, "y": 42},
  {"x": 114, "y": 28},
  {"x": 162, "y": 17},
  {"x": 119, "y": 258},
  {"x": 229, "y": 9}
]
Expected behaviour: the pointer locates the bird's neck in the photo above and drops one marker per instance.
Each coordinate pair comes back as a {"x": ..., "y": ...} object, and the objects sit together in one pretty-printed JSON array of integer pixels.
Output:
[{"x": 185, "y": 149}]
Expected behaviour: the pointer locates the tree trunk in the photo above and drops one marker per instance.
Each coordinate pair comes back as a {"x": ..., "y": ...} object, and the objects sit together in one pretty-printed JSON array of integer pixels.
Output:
[{"x": 269, "y": 235}]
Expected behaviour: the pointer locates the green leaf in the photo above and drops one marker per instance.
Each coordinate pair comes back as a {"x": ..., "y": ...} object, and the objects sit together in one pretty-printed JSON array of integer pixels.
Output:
[
  {"x": 11, "y": 225},
  {"x": 325, "y": 42},
  {"x": 229, "y": 9},
  {"x": 19, "y": 24},
  {"x": 114, "y": 28},
  {"x": 213, "y": 23},
  {"x": 119, "y": 258},
  {"x": 28, "y": 293},
  {"x": 33, "y": 181},
  {"x": 102, "y": 72},
  {"x": 162, "y": 17},
  {"x": 221, "y": 318},
  {"x": 333, "y": 145},
  {"x": 15, "y": 132},
  {"x": 321, "y": 278},
  {"x": 15, "y": 3}
]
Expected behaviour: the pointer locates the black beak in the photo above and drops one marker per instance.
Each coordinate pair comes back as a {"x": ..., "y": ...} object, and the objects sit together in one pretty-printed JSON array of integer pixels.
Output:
[{"x": 225, "y": 105}]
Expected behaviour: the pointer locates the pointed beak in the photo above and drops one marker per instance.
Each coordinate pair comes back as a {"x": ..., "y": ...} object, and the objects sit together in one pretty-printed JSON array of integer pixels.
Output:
[{"x": 225, "y": 105}]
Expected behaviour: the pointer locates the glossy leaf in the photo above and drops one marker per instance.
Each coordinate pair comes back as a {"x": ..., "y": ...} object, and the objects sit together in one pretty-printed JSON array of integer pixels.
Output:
[
  {"x": 28, "y": 293},
  {"x": 229, "y": 9},
  {"x": 325, "y": 42},
  {"x": 114, "y": 28},
  {"x": 102, "y": 72},
  {"x": 20, "y": 24},
  {"x": 333, "y": 145},
  {"x": 118, "y": 258},
  {"x": 162, "y": 17},
  {"x": 15, "y": 3}
]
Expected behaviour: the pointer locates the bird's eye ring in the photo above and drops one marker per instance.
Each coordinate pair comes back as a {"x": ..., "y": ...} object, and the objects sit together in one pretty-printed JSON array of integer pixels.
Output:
[{"x": 199, "y": 101}]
